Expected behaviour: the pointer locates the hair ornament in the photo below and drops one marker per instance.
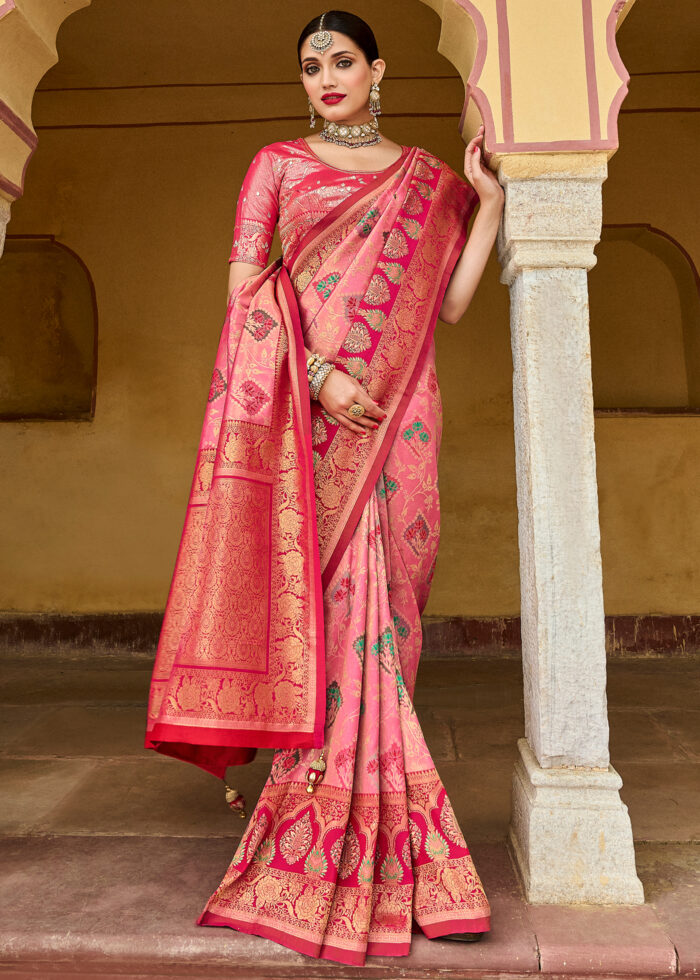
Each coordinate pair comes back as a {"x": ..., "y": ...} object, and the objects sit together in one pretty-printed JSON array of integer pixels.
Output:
[{"x": 321, "y": 40}]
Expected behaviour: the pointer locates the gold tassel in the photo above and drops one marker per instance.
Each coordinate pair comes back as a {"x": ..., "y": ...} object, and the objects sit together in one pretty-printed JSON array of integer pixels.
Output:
[
  {"x": 236, "y": 801},
  {"x": 314, "y": 774}
]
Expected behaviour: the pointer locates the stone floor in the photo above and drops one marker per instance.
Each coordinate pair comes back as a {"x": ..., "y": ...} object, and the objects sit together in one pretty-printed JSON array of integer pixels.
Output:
[{"x": 108, "y": 852}]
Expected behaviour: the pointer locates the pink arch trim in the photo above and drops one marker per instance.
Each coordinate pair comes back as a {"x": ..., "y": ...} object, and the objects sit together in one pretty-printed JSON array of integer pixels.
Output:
[
  {"x": 28, "y": 136},
  {"x": 597, "y": 140},
  {"x": 471, "y": 89},
  {"x": 616, "y": 60},
  {"x": 591, "y": 80}
]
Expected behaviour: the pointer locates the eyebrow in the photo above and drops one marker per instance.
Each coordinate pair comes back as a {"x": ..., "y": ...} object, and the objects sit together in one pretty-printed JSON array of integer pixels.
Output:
[{"x": 334, "y": 54}]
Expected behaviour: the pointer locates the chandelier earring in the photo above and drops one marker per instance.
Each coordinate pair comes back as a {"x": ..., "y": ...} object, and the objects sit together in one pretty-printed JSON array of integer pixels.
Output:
[
  {"x": 312, "y": 117},
  {"x": 374, "y": 104}
]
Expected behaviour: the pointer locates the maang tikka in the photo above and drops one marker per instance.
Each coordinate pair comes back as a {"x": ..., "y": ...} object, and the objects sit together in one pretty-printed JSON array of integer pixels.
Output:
[{"x": 321, "y": 40}]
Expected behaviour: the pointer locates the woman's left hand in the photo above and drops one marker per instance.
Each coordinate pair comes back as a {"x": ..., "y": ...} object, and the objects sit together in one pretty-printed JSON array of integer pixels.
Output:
[{"x": 479, "y": 176}]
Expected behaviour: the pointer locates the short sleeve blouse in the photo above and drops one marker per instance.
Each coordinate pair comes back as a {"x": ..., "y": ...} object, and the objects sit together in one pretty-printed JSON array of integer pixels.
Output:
[
  {"x": 257, "y": 212},
  {"x": 288, "y": 185}
]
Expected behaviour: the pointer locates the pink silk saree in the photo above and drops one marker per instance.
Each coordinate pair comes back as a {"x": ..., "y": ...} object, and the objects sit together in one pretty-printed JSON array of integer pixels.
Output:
[{"x": 293, "y": 618}]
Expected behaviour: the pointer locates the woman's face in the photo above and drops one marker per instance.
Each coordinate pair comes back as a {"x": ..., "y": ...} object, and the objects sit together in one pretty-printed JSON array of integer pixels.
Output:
[{"x": 341, "y": 69}]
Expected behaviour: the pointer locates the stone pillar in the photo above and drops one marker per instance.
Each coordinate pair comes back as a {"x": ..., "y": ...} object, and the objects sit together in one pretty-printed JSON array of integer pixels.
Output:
[
  {"x": 4, "y": 220},
  {"x": 570, "y": 831}
]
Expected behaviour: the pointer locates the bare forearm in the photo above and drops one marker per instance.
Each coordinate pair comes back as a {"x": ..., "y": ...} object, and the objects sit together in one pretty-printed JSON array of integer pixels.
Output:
[{"x": 471, "y": 263}]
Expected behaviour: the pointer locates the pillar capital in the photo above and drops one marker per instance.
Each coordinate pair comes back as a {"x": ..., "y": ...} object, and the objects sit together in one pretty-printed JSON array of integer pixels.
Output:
[{"x": 553, "y": 211}]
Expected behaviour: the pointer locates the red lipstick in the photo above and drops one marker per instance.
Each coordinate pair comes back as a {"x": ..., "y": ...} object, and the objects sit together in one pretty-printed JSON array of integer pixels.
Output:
[{"x": 332, "y": 98}]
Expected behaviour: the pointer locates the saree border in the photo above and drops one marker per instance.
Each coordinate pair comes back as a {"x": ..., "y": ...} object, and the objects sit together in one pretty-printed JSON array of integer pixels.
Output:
[
  {"x": 341, "y": 954},
  {"x": 321, "y": 951},
  {"x": 388, "y": 434},
  {"x": 297, "y": 376},
  {"x": 235, "y": 738}
]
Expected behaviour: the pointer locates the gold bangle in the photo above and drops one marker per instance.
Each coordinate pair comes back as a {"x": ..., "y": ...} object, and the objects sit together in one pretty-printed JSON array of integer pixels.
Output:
[{"x": 313, "y": 364}]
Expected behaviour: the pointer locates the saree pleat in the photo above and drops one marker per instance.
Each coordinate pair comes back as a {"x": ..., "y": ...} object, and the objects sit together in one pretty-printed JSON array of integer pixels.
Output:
[{"x": 347, "y": 872}]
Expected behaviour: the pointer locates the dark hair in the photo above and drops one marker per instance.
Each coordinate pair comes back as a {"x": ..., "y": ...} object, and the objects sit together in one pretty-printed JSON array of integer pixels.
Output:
[{"x": 346, "y": 23}]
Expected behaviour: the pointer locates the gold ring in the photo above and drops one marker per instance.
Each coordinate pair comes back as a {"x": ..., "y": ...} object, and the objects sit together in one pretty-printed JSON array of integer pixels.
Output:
[{"x": 356, "y": 410}]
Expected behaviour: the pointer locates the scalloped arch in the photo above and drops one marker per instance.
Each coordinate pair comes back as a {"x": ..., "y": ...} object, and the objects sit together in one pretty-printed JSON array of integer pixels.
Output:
[
  {"x": 29, "y": 26},
  {"x": 540, "y": 78}
]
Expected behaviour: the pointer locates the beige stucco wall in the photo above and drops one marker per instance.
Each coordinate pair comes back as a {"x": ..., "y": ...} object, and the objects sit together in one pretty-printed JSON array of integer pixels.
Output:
[{"x": 93, "y": 511}]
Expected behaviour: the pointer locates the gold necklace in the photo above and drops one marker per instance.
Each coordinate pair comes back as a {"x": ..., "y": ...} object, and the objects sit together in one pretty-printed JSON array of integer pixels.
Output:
[{"x": 360, "y": 134}]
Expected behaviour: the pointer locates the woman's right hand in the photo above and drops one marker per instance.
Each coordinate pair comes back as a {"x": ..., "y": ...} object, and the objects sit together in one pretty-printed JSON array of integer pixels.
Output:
[{"x": 338, "y": 392}]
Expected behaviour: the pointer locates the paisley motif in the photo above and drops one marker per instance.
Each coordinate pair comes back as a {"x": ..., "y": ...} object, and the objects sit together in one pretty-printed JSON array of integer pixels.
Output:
[
  {"x": 436, "y": 846},
  {"x": 265, "y": 852},
  {"x": 218, "y": 385},
  {"x": 350, "y": 854},
  {"x": 295, "y": 842},
  {"x": 390, "y": 869},
  {"x": 258, "y": 323},
  {"x": 412, "y": 227},
  {"x": 396, "y": 245},
  {"x": 393, "y": 271},
  {"x": 357, "y": 338},
  {"x": 355, "y": 366},
  {"x": 423, "y": 171},
  {"x": 378, "y": 291},
  {"x": 366, "y": 871},
  {"x": 413, "y": 203},
  {"x": 316, "y": 862},
  {"x": 334, "y": 700},
  {"x": 375, "y": 318}
]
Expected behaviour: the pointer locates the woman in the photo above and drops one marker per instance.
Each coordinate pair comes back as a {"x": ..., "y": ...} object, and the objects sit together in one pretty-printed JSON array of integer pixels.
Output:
[{"x": 293, "y": 619}]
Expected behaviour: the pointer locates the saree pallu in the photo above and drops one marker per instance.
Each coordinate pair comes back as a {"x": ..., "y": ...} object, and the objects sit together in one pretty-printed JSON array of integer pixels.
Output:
[{"x": 293, "y": 619}]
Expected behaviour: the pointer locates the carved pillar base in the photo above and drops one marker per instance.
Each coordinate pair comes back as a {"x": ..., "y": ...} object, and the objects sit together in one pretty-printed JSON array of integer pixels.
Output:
[{"x": 571, "y": 835}]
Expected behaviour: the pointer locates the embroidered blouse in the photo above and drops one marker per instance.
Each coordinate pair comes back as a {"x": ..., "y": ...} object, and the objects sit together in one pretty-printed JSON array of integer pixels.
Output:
[{"x": 287, "y": 183}]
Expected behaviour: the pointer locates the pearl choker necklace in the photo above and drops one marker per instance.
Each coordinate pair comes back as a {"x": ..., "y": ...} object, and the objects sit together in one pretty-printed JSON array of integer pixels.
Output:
[{"x": 363, "y": 134}]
